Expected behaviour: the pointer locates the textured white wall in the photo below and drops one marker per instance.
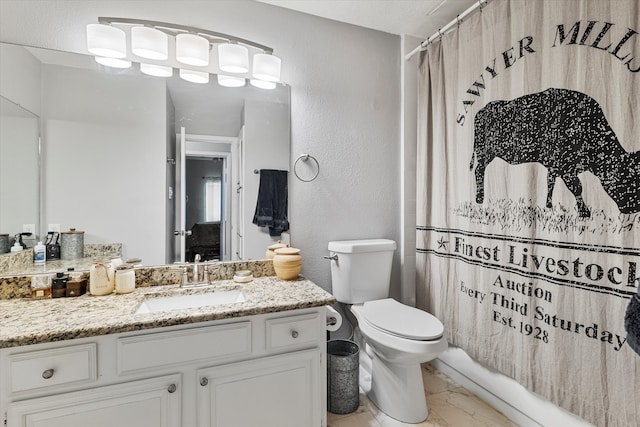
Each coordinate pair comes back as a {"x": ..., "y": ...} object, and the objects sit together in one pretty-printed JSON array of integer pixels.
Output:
[
  {"x": 345, "y": 104},
  {"x": 122, "y": 152}
]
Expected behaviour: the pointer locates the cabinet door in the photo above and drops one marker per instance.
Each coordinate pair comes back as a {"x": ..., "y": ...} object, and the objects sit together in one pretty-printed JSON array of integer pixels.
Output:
[
  {"x": 277, "y": 391},
  {"x": 153, "y": 403}
]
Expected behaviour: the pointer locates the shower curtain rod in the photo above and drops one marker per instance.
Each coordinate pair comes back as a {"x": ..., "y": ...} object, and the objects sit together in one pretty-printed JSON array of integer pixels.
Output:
[{"x": 479, "y": 4}]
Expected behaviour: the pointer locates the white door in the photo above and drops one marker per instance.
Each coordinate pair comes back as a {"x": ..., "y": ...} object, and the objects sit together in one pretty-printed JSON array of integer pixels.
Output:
[
  {"x": 237, "y": 229},
  {"x": 181, "y": 196}
]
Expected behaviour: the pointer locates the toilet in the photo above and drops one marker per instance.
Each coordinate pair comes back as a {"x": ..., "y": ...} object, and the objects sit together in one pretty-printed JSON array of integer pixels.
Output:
[{"x": 397, "y": 337}]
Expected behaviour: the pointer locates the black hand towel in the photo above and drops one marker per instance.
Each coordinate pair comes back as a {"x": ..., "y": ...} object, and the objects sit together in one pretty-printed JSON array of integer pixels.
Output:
[
  {"x": 272, "y": 205},
  {"x": 632, "y": 323}
]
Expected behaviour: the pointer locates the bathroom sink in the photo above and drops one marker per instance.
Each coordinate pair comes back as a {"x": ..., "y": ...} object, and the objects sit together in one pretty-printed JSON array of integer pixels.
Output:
[{"x": 181, "y": 302}]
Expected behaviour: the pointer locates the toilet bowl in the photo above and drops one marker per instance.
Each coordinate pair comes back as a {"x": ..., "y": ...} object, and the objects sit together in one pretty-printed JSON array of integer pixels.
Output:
[{"x": 397, "y": 337}]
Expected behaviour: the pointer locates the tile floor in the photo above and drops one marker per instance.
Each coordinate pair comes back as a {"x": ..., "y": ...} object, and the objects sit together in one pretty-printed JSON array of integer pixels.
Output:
[{"x": 450, "y": 405}]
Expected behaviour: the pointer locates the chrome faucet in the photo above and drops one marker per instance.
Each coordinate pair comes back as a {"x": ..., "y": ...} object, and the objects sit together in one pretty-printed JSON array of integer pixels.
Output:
[{"x": 196, "y": 272}]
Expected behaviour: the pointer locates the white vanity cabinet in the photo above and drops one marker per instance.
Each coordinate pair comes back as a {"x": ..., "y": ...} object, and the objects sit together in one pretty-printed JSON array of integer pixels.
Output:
[{"x": 261, "y": 370}]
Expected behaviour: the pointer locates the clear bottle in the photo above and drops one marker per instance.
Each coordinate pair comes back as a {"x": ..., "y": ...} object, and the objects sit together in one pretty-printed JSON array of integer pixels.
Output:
[
  {"x": 41, "y": 286},
  {"x": 101, "y": 278}
]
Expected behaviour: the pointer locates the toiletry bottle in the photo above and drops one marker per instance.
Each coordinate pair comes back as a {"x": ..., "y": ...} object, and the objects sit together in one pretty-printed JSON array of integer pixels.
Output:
[
  {"x": 39, "y": 253},
  {"x": 59, "y": 285},
  {"x": 17, "y": 247},
  {"x": 41, "y": 286},
  {"x": 77, "y": 285}
]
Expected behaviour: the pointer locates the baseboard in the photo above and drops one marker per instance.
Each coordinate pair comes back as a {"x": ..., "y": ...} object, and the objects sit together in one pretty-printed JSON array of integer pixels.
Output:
[{"x": 522, "y": 407}]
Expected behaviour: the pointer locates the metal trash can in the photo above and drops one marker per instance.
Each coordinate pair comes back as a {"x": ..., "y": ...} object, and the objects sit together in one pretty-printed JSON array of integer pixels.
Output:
[{"x": 343, "y": 391}]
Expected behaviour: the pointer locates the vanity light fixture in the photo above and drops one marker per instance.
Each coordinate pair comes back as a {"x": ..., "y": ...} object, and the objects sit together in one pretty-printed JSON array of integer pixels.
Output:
[
  {"x": 194, "y": 76},
  {"x": 233, "y": 58},
  {"x": 192, "y": 49},
  {"x": 231, "y": 81},
  {"x": 150, "y": 40},
  {"x": 266, "y": 67},
  {"x": 106, "y": 41},
  {"x": 262, "y": 84},
  {"x": 113, "y": 62},
  {"x": 149, "y": 43},
  {"x": 156, "y": 70}
]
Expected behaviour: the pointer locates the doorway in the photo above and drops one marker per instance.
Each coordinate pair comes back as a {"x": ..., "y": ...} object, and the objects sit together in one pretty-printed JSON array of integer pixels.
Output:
[
  {"x": 205, "y": 207},
  {"x": 203, "y": 201}
]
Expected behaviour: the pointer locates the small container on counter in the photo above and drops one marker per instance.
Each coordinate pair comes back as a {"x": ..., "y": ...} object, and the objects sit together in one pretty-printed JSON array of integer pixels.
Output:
[
  {"x": 39, "y": 253},
  {"x": 41, "y": 286},
  {"x": 4, "y": 243},
  {"x": 72, "y": 244},
  {"x": 77, "y": 285},
  {"x": 271, "y": 250},
  {"x": 125, "y": 279},
  {"x": 116, "y": 262},
  {"x": 243, "y": 276},
  {"x": 101, "y": 278},
  {"x": 59, "y": 285},
  {"x": 136, "y": 262},
  {"x": 287, "y": 263}
]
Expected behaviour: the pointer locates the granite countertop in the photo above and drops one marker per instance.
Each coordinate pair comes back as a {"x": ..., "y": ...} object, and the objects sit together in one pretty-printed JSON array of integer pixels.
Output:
[{"x": 25, "y": 321}]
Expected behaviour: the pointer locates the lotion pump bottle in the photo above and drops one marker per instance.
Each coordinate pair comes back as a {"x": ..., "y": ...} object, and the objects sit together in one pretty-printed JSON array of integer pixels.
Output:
[
  {"x": 39, "y": 253},
  {"x": 17, "y": 247}
]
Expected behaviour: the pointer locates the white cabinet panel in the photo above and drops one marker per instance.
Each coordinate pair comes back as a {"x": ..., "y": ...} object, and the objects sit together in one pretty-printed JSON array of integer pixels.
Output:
[
  {"x": 277, "y": 391},
  {"x": 147, "y": 351},
  {"x": 293, "y": 332},
  {"x": 147, "y": 403},
  {"x": 46, "y": 369}
]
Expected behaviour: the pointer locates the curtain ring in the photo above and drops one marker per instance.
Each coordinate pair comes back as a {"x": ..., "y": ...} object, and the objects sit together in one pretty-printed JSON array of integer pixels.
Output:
[{"x": 458, "y": 22}]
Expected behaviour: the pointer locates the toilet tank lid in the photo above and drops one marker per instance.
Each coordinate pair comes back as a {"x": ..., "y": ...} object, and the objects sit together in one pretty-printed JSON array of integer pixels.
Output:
[{"x": 358, "y": 246}]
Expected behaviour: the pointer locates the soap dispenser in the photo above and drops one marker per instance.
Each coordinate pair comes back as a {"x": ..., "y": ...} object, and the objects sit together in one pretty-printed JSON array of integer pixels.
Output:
[{"x": 17, "y": 247}]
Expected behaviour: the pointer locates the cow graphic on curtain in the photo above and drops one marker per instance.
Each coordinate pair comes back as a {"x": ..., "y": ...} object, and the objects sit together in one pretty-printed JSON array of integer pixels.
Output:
[{"x": 567, "y": 132}]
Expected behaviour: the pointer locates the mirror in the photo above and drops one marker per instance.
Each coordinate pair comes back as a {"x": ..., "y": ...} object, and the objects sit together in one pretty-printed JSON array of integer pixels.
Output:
[
  {"x": 19, "y": 173},
  {"x": 110, "y": 152}
]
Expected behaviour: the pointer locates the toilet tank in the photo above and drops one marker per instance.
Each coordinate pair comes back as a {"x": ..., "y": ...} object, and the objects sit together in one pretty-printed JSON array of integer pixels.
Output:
[{"x": 362, "y": 270}]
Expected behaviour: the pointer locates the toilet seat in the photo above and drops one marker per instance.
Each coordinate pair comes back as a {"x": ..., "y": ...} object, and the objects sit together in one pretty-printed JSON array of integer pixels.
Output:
[{"x": 391, "y": 317}]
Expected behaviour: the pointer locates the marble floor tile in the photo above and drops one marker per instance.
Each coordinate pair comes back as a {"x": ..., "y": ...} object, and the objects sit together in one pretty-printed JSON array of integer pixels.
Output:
[{"x": 450, "y": 405}]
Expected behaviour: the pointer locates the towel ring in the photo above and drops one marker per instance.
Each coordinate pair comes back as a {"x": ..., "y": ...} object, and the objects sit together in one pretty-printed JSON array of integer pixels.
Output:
[{"x": 304, "y": 158}]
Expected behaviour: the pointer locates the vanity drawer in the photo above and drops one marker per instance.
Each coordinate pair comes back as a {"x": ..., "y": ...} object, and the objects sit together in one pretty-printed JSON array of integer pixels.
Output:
[
  {"x": 292, "y": 332},
  {"x": 52, "y": 368},
  {"x": 163, "y": 349}
]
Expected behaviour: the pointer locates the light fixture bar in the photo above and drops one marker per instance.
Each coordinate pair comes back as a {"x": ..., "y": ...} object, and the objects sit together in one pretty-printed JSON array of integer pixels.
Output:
[{"x": 176, "y": 28}]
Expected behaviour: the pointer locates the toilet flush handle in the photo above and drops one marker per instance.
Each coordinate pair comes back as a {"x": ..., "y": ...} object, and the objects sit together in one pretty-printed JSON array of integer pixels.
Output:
[{"x": 333, "y": 257}]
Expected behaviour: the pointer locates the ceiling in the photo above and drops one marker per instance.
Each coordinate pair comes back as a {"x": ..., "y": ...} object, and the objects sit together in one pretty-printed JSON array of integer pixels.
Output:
[{"x": 421, "y": 18}]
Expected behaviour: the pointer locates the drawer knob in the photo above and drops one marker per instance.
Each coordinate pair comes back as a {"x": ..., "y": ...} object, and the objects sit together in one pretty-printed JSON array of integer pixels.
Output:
[
  {"x": 204, "y": 381},
  {"x": 294, "y": 334},
  {"x": 47, "y": 374},
  {"x": 172, "y": 388}
]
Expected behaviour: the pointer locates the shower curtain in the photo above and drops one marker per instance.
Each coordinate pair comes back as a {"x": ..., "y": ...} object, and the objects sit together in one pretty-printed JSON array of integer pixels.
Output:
[{"x": 528, "y": 204}]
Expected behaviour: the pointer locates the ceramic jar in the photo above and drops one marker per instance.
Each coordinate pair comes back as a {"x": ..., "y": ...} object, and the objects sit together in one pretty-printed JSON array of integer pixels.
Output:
[
  {"x": 125, "y": 279},
  {"x": 287, "y": 263},
  {"x": 101, "y": 278},
  {"x": 271, "y": 250}
]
